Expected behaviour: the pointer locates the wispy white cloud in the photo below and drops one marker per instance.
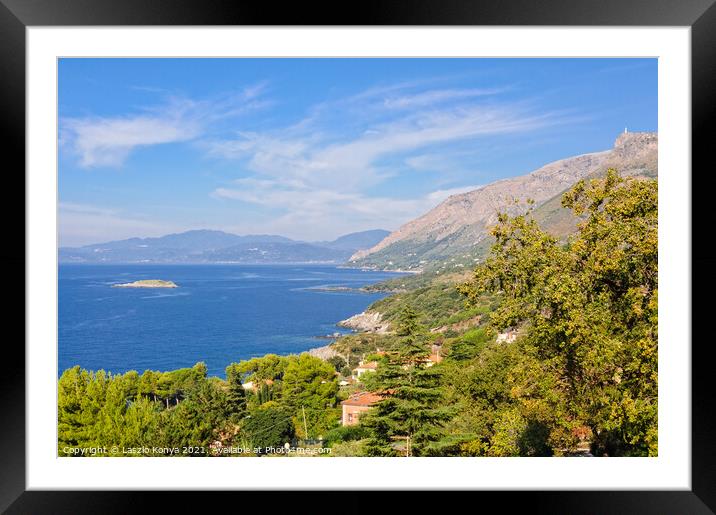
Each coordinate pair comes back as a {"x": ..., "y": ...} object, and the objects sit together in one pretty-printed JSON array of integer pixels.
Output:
[
  {"x": 321, "y": 177},
  {"x": 431, "y": 98},
  {"x": 352, "y": 162},
  {"x": 108, "y": 141}
]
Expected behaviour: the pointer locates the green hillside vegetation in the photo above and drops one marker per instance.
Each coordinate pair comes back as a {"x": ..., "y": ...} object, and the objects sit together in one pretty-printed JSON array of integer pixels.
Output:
[
  {"x": 580, "y": 377},
  {"x": 434, "y": 255},
  {"x": 438, "y": 304}
]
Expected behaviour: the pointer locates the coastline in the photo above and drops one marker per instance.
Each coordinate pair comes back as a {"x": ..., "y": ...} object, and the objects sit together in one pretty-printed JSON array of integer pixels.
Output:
[
  {"x": 370, "y": 269},
  {"x": 364, "y": 321},
  {"x": 325, "y": 352},
  {"x": 139, "y": 311}
]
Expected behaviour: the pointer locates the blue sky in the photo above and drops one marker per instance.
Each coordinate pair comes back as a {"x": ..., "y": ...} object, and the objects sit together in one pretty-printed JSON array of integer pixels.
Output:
[{"x": 316, "y": 148}]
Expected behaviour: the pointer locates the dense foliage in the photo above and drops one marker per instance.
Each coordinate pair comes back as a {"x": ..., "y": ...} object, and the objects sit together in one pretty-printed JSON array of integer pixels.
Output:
[
  {"x": 587, "y": 363},
  {"x": 261, "y": 404}
]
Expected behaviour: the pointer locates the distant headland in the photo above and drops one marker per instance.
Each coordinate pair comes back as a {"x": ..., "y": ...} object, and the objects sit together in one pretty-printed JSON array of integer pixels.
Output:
[{"x": 147, "y": 283}]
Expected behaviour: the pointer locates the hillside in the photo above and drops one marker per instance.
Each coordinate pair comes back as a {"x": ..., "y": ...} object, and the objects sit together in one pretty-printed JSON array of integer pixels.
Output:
[
  {"x": 204, "y": 246},
  {"x": 456, "y": 231}
]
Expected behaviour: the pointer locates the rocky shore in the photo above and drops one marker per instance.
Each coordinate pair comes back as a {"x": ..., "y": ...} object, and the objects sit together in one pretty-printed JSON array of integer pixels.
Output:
[
  {"x": 324, "y": 353},
  {"x": 367, "y": 321},
  {"x": 371, "y": 322}
]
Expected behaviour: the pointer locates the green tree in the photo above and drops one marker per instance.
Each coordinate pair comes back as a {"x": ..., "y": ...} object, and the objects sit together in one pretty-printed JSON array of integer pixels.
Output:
[
  {"x": 410, "y": 410},
  {"x": 338, "y": 362},
  {"x": 235, "y": 395},
  {"x": 408, "y": 325},
  {"x": 71, "y": 423},
  {"x": 147, "y": 385},
  {"x": 265, "y": 393},
  {"x": 140, "y": 424},
  {"x": 269, "y": 367},
  {"x": 109, "y": 426},
  {"x": 271, "y": 425},
  {"x": 588, "y": 312},
  {"x": 310, "y": 387},
  {"x": 196, "y": 421}
]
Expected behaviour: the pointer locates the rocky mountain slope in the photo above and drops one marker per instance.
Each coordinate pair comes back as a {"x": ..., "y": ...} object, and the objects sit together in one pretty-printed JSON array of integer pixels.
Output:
[{"x": 459, "y": 225}]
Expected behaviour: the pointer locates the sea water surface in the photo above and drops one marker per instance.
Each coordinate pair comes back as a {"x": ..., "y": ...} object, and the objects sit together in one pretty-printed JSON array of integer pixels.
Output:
[{"x": 219, "y": 314}]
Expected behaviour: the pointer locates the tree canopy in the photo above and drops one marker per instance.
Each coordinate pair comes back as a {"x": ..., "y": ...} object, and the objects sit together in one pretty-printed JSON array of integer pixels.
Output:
[{"x": 587, "y": 309}]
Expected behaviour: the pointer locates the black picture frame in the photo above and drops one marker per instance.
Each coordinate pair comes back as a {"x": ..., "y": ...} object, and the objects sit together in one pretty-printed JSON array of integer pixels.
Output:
[{"x": 699, "y": 15}]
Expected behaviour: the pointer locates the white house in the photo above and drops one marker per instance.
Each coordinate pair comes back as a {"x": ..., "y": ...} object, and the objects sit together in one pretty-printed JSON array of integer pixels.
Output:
[
  {"x": 508, "y": 336},
  {"x": 362, "y": 368}
]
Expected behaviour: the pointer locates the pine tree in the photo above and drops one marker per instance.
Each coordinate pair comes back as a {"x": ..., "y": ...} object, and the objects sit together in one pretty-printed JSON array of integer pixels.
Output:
[
  {"x": 72, "y": 388},
  {"x": 410, "y": 409},
  {"x": 408, "y": 324},
  {"x": 235, "y": 396}
]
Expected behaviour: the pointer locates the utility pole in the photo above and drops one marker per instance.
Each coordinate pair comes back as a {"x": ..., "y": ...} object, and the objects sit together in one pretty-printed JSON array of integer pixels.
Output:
[{"x": 305, "y": 427}]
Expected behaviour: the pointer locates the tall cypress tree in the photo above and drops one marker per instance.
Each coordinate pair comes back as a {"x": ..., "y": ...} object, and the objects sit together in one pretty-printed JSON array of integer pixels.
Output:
[
  {"x": 235, "y": 396},
  {"x": 410, "y": 409}
]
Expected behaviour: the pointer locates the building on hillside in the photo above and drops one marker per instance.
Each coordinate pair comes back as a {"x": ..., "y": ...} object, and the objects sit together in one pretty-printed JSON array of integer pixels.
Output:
[
  {"x": 362, "y": 368},
  {"x": 434, "y": 359},
  {"x": 347, "y": 381},
  {"x": 356, "y": 404},
  {"x": 250, "y": 385},
  {"x": 429, "y": 361},
  {"x": 509, "y": 336},
  {"x": 436, "y": 355}
]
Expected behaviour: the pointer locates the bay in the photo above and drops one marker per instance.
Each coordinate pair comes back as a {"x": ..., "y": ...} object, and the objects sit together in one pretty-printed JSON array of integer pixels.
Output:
[{"x": 219, "y": 314}]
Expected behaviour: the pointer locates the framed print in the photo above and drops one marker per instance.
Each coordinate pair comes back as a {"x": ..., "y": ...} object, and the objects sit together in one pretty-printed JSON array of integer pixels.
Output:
[{"x": 419, "y": 252}]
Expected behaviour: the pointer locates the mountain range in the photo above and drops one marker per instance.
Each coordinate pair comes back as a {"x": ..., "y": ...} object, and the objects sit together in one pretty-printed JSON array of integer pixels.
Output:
[
  {"x": 457, "y": 230},
  {"x": 207, "y": 246}
]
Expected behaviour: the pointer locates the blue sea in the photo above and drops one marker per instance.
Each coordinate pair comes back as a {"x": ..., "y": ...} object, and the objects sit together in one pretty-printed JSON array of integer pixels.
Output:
[{"x": 219, "y": 314}]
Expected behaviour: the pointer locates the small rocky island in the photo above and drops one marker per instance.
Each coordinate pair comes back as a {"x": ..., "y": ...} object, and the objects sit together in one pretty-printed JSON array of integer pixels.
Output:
[{"x": 147, "y": 283}]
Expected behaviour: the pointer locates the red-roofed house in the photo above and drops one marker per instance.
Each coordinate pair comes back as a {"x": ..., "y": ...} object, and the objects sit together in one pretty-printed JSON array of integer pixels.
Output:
[{"x": 357, "y": 404}]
